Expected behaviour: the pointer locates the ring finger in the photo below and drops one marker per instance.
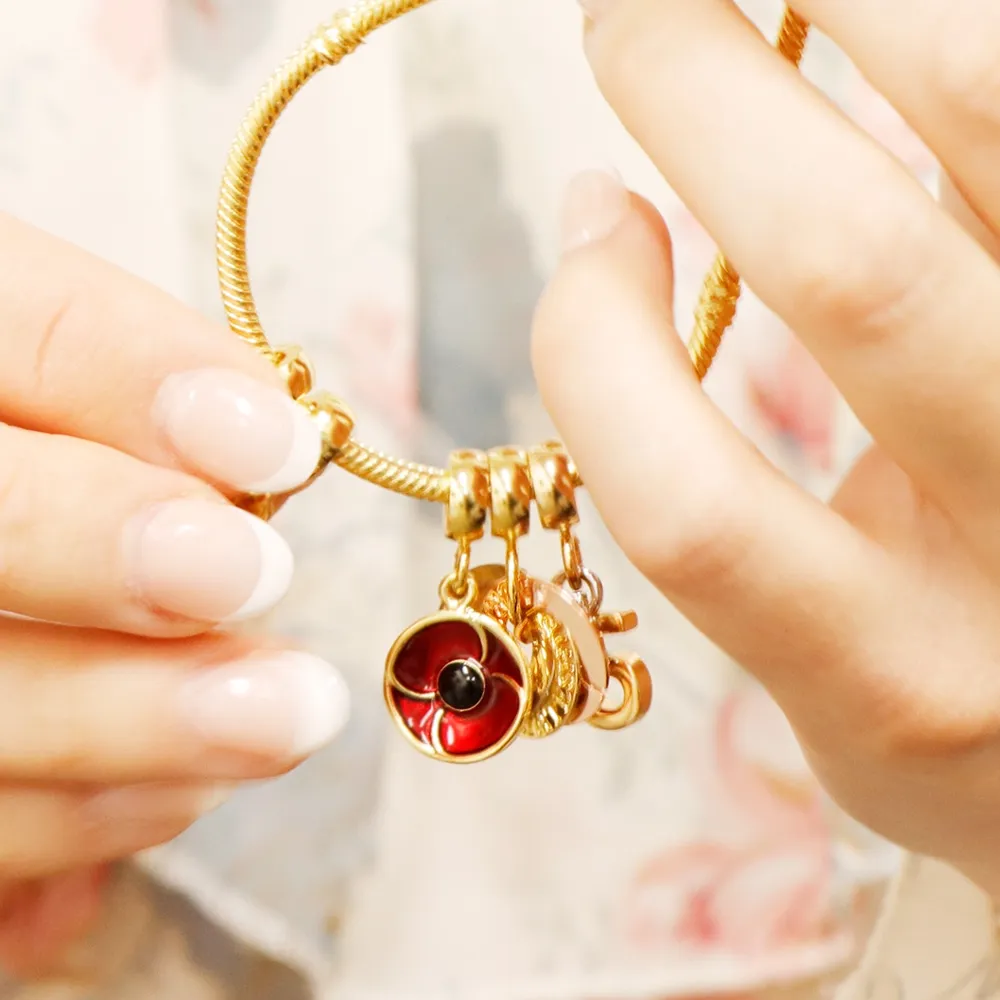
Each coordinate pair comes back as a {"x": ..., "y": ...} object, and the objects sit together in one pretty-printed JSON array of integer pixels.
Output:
[
  {"x": 937, "y": 63},
  {"x": 828, "y": 229}
]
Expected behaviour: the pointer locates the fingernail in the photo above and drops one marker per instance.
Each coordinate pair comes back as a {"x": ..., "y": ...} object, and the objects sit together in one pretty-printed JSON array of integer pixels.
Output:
[
  {"x": 596, "y": 202},
  {"x": 234, "y": 430},
  {"x": 216, "y": 798},
  {"x": 207, "y": 561},
  {"x": 153, "y": 804},
  {"x": 287, "y": 704},
  {"x": 127, "y": 820},
  {"x": 594, "y": 8}
]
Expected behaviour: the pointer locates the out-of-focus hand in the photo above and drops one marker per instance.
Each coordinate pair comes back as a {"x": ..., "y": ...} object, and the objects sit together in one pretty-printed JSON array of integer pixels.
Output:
[{"x": 127, "y": 421}]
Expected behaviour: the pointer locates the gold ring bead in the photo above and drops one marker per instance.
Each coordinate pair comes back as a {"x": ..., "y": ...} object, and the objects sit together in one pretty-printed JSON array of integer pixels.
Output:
[
  {"x": 510, "y": 493},
  {"x": 468, "y": 495},
  {"x": 553, "y": 482}
]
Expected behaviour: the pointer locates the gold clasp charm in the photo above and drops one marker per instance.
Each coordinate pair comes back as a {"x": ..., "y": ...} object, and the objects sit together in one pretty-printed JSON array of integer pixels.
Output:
[{"x": 331, "y": 416}]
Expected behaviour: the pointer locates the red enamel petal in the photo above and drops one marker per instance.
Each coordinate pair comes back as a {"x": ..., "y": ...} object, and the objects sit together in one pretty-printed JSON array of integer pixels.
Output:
[
  {"x": 418, "y": 716},
  {"x": 464, "y": 733},
  {"x": 420, "y": 660},
  {"x": 499, "y": 660}
]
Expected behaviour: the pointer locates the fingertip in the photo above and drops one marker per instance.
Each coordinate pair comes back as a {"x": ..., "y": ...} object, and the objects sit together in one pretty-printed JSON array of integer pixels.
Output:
[
  {"x": 611, "y": 295},
  {"x": 276, "y": 569},
  {"x": 196, "y": 559},
  {"x": 657, "y": 228},
  {"x": 596, "y": 202},
  {"x": 619, "y": 386}
]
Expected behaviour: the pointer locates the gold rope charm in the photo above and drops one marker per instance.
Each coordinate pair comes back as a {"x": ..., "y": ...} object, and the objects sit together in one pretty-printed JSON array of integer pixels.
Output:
[{"x": 506, "y": 654}]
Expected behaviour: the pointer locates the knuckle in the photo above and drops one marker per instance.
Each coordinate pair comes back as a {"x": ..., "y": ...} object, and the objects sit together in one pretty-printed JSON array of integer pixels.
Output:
[
  {"x": 870, "y": 272},
  {"x": 629, "y": 45},
  {"x": 686, "y": 555},
  {"x": 915, "y": 726},
  {"x": 58, "y": 322},
  {"x": 966, "y": 70}
]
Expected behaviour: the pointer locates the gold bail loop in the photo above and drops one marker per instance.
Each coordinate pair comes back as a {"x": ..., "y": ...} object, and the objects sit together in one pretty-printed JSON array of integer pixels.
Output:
[
  {"x": 510, "y": 514},
  {"x": 458, "y": 589}
]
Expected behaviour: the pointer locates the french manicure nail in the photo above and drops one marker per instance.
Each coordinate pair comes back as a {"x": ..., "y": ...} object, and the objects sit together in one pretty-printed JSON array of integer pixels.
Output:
[
  {"x": 596, "y": 202},
  {"x": 207, "y": 561},
  {"x": 234, "y": 430},
  {"x": 285, "y": 704}
]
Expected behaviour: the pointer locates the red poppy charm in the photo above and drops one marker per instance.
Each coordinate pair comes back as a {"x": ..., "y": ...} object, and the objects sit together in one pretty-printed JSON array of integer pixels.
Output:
[{"x": 457, "y": 685}]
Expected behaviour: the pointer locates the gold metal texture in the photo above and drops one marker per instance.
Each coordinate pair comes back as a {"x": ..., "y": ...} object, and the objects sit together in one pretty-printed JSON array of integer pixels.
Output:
[{"x": 325, "y": 47}]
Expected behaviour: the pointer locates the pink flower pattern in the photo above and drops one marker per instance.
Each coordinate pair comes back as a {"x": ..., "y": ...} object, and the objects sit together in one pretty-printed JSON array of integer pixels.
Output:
[
  {"x": 771, "y": 893},
  {"x": 880, "y": 119},
  {"x": 132, "y": 35},
  {"x": 798, "y": 402},
  {"x": 377, "y": 344}
]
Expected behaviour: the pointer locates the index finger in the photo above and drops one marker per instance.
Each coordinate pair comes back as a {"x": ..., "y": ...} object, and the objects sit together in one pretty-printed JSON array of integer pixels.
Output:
[
  {"x": 893, "y": 298},
  {"x": 93, "y": 352}
]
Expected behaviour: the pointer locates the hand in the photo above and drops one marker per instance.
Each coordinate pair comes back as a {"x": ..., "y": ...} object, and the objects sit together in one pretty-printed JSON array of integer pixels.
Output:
[
  {"x": 127, "y": 420},
  {"x": 874, "y": 621}
]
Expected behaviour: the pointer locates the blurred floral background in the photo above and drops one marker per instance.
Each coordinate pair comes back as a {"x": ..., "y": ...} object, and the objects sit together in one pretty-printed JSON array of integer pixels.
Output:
[{"x": 403, "y": 225}]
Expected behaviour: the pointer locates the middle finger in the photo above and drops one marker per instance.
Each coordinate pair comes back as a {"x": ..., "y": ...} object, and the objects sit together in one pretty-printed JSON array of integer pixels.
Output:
[
  {"x": 89, "y": 536},
  {"x": 937, "y": 63},
  {"x": 893, "y": 297}
]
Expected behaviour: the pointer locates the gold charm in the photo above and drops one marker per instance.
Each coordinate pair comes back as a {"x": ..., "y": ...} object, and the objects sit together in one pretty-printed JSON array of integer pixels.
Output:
[
  {"x": 457, "y": 686},
  {"x": 507, "y": 654}
]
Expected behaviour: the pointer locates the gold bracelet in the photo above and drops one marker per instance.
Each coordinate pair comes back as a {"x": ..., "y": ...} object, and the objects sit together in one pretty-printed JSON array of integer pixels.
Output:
[{"x": 506, "y": 654}]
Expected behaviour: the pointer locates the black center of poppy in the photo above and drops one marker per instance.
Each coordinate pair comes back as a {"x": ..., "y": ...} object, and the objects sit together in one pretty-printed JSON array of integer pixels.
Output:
[{"x": 461, "y": 685}]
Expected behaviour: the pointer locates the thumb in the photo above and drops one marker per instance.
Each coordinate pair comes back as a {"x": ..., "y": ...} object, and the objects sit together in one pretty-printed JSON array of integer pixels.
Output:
[{"x": 765, "y": 570}]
